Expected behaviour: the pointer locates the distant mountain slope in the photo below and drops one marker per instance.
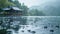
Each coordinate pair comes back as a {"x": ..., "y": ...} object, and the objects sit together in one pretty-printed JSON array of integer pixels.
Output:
[{"x": 50, "y": 8}]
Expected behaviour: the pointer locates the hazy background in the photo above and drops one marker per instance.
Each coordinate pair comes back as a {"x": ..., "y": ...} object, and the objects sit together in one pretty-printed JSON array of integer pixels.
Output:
[
  {"x": 48, "y": 7},
  {"x": 35, "y": 7},
  {"x": 30, "y": 3}
]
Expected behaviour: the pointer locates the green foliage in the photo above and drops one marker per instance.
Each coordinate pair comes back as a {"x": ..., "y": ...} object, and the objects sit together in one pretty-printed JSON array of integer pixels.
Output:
[
  {"x": 17, "y": 3},
  {"x": 35, "y": 12},
  {"x": 21, "y": 6},
  {"x": 25, "y": 10},
  {"x": 5, "y": 3}
]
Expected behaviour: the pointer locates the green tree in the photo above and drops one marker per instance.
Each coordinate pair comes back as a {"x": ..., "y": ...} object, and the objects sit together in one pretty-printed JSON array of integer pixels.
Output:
[
  {"x": 21, "y": 6},
  {"x": 5, "y": 3},
  {"x": 16, "y": 2},
  {"x": 35, "y": 12},
  {"x": 25, "y": 9}
]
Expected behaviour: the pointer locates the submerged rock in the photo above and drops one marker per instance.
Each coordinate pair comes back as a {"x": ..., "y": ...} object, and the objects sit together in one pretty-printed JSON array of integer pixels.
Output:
[
  {"x": 22, "y": 30},
  {"x": 45, "y": 27},
  {"x": 51, "y": 30},
  {"x": 57, "y": 26},
  {"x": 29, "y": 30},
  {"x": 33, "y": 32}
]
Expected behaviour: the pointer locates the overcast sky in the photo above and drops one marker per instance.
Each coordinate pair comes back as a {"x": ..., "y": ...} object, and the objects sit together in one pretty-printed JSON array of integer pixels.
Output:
[{"x": 30, "y": 3}]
